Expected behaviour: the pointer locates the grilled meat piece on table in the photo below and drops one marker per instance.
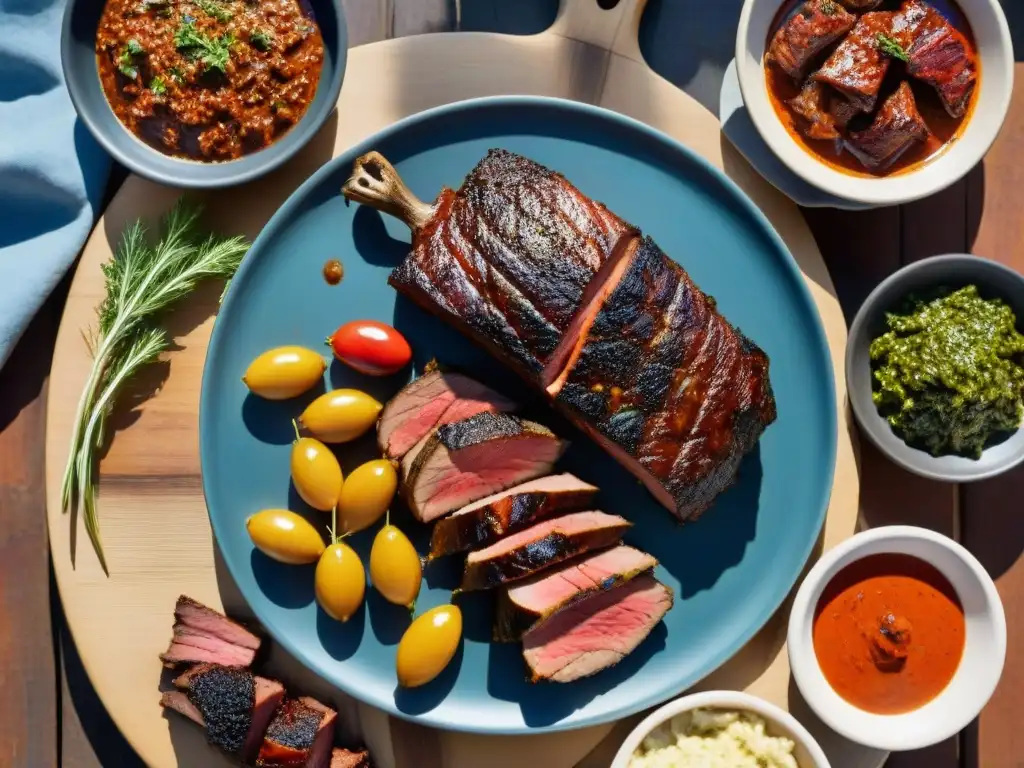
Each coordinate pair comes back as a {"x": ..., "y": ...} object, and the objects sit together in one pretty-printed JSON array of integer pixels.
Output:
[
  {"x": 808, "y": 32},
  {"x": 596, "y": 633},
  {"x": 525, "y": 604},
  {"x": 201, "y": 634},
  {"x": 857, "y": 66},
  {"x": 895, "y": 129},
  {"x": 541, "y": 546},
  {"x": 301, "y": 735},
  {"x": 431, "y": 400}
]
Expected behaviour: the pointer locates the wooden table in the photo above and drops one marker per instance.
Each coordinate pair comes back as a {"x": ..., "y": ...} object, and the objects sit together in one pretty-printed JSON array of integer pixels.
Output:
[{"x": 49, "y": 714}]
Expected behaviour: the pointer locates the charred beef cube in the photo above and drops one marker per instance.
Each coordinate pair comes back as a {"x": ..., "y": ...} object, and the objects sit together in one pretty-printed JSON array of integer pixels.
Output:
[
  {"x": 300, "y": 736},
  {"x": 344, "y": 758},
  {"x": 937, "y": 54},
  {"x": 807, "y": 33},
  {"x": 897, "y": 127},
  {"x": 857, "y": 67},
  {"x": 812, "y": 104}
]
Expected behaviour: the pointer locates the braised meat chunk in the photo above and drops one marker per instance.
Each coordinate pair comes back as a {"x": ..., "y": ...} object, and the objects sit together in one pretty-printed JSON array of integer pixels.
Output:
[
  {"x": 937, "y": 54},
  {"x": 857, "y": 67},
  {"x": 812, "y": 104},
  {"x": 813, "y": 28},
  {"x": 897, "y": 127}
]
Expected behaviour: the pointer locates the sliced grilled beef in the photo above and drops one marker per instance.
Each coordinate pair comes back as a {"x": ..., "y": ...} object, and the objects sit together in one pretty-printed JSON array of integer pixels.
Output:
[
  {"x": 526, "y": 603},
  {"x": 190, "y": 645},
  {"x": 433, "y": 399},
  {"x": 895, "y": 129},
  {"x": 596, "y": 633},
  {"x": 857, "y": 67},
  {"x": 343, "y": 758},
  {"x": 812, "y": 105},
  {"x": 541, "y": 546},
  {"x": 507, "y": 258},
  {"x": 194, "y": 614},
  {"x": 484, "y": 522},
  {"x": 467, "y": 460},
  {"x": 300, "y": 734},
  {"x": 807, "y": 33},
  {"x": 232, "y": 704},
  {"x": 668, "y": 386},
  {"x": 938, "y": 54}
]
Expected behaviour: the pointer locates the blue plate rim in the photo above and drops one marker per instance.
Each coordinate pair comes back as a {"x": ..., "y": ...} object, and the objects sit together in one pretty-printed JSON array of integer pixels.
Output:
[{"x": 651, "y": 134}]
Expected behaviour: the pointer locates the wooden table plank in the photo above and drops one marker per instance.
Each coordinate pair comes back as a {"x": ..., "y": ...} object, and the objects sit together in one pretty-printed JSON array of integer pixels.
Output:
[{"x": 993, "y": 526}]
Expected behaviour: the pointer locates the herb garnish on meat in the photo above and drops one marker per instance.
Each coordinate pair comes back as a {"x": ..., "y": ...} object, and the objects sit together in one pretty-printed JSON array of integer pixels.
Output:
[
  {"x": 828, "y": 7},
  {"x": 214, "y": 9},
  {"x": 891, "y": 47},
  {"x": 126, "y": 61},
  {"x": 260, "y": 39},
  {"x": 158, "y": 86},
  {"x": 214, "y": 53}
]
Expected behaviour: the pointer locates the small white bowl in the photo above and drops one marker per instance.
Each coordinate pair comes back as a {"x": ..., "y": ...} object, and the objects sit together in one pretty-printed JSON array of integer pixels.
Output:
[
  {"x": 980, "y": 667},
  {"x": 779, "y": 723},
  {"x": 992, "y": 37}
]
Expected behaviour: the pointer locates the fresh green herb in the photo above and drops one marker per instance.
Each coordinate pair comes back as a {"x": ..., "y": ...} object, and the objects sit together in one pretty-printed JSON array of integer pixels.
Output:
[
  {"x": 891, "y": 47},
  {"x": 176, "y": 75},
  {"x": 158, "y": 86},
  {"x": 126, "y": 60},
  {"x": 134, "y": 48},
  {"x": 214, "y": 53},
  {"x": 828, "y": 7},
  {"x": 142, "y": 280},
  {"x": 215, "y": 10},
  {"x": 948, "y": 374},
  {"x": 260, "y": 39}
]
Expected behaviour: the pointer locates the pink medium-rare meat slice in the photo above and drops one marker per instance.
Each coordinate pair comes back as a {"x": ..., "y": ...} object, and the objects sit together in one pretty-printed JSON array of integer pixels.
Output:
[
  {"x": 541, "y": 546},
  {"x": 895, "y": 129},
  {"x": 807, "y": 33},
  {"x": 938, "y": 54},
  {"x": 194, "y": 614},
  {"x": 234, "y": 706},
  {"x": 857, "y": 66},
  {"x": 344, "y": 758},
  {"x": 668, "y": 386},
  {"x": 524, "y": 604},
  {"x": 484, "y": 522},
  {"x": 468, "y": 460},
  {"x": 596, "y": 633},
  {"x": 507, "y": 258},
  {"x": 299, "y": 735},
  {"x": 432, "y": 399},
  {"x": 191, "y": 645},
  {"x": 178, "y": 702}
]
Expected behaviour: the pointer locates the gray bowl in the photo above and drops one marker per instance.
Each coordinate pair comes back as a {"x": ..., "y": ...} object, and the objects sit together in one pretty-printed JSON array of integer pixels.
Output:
[
  {"x": 957, "y": 270},
  {"x": 78, "y": 57}
]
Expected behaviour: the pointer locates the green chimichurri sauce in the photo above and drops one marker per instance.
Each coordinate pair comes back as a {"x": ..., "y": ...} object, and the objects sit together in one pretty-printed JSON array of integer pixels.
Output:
[{"x": 948, "y": 374}]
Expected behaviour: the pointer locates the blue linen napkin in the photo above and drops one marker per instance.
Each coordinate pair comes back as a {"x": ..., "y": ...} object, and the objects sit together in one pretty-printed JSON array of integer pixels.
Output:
[{"x": 52, "y": 173}]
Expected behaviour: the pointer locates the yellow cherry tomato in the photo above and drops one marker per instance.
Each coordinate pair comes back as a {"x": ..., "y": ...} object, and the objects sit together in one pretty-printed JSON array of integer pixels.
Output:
[
  {"x": 285, "y": 536},
  {"x": 340, "y": 581},
  {"x": 284, "y": 372},
  {"x": 341, "y": 415},
  {"x": 395, "y": 568},
  {"x": 315, "y": 473},
  {"x": 428, "y": 645},
  {"x": 367, "y": 494}
]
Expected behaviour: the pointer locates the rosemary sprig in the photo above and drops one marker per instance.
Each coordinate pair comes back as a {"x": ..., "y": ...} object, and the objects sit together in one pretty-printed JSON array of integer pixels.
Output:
[
  {"x": 891, "y": 47},
  {"x": 142, "y": 280}
]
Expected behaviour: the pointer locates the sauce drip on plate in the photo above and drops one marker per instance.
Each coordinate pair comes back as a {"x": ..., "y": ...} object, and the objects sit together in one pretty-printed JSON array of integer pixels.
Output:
[
  {"x": 889, "y": 633},
  {"x": 333, "y": 272}
]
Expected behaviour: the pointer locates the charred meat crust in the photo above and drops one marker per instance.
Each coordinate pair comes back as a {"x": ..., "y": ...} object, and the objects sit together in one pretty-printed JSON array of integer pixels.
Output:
[
  {"x": 896, "y": 128},
  {"x": 226, "y": 697},
  {"x": 483, "y": 427},
  {"x": 938, "y": 54},
  {"x": 669, "y": 381},
  {"x": 806, "y": 34},
  {"x": 290, "y": 736},
  {"x": 857, "y": 67}
]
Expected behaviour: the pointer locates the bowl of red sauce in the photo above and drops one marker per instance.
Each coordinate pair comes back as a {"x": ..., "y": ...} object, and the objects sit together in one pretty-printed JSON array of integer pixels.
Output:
[
  {"x": 897, "y": 638},
  {"x": 876, "y": 101}
]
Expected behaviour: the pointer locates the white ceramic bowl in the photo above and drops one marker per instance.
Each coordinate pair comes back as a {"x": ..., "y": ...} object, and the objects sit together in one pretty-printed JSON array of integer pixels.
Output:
[
  {"x": 975, "y": 678},
  {"x": 992, "y": 36},
  {"x": 780, "y": 723}
]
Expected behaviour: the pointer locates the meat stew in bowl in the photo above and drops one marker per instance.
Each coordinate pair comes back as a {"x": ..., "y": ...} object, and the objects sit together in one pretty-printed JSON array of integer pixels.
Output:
[{"x": 872, "y": 87}]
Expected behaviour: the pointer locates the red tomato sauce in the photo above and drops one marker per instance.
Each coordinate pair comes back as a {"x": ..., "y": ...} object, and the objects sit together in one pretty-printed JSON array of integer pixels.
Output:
[{"x": 889, "y": 633}]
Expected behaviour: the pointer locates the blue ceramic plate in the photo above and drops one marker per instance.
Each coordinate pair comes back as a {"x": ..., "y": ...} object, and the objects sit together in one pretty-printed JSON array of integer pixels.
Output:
[{"x": 730, "y": 570}]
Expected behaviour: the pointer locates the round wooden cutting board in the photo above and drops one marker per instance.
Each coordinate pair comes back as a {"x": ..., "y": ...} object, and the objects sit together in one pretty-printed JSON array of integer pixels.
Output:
[{"x": 152, "y": 513}]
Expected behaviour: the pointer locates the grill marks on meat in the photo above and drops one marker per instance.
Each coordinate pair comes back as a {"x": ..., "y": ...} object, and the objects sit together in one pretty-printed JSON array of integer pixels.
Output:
[
  {"x": 596, "y": 633},
  {"x": 300, "y": 734},
  {"x": 528, "y": 602},
  {"x": 433, "y": 399},
  {"x": 807, "y": 33},
  {"x": 857, "y": 67},
  {"x": 467, "y": 460},
  {"x": 508, "y": 257},
  {"x": 541, "y": 546},
  {"x": 895, "y": 129},
  {"x": 938, "y": 54},
  {"x": 484, "y": 522},
  {"x": 668, "y": 386}
]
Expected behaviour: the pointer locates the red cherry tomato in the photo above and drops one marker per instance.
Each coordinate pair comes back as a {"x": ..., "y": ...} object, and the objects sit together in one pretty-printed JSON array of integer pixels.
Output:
[{"x": 370, "y": 347}]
